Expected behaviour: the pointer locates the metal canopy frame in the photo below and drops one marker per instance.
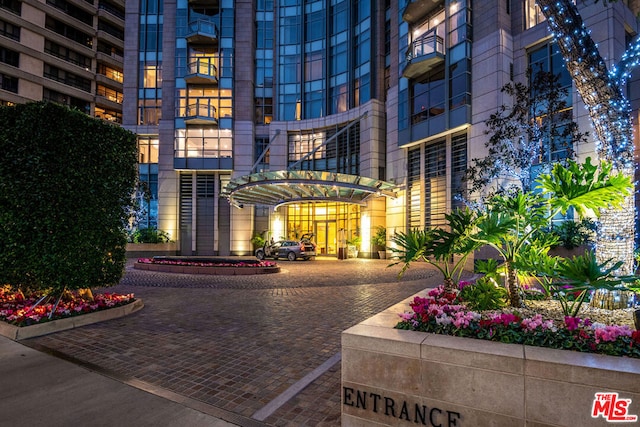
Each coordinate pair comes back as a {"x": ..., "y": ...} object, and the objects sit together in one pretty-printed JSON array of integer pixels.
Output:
[{"x": 276, "y": 188}]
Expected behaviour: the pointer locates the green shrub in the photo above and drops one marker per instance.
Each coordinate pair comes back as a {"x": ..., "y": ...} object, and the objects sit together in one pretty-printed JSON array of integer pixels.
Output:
[
  {"x": 572, "y": 234},
  {"x": 149, "y": 235},
  {"x": 66, "y": 185},
  {"x": 484, "y": 294}
]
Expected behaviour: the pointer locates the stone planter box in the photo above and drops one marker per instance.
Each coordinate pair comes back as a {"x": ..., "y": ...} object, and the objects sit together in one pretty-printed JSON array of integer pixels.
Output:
[
  {"x": 213, "y": 270},
  {"x": 23, "y": 332},
  {"x": 394, "y": 377},
  {"x": 148, "y": 250}
]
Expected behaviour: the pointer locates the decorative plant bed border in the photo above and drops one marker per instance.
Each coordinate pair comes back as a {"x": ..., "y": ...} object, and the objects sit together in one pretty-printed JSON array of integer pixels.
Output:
[
  {"x": 212, "y": 266},
  {"x": 397, "y": 377},
  {"x": 23, "y": 332}
]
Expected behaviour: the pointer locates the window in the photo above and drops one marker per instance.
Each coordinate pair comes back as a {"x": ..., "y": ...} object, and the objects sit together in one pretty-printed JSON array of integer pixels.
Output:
[
  {"x": 335, "y": 149},
  {"x": 148, "y": 174},
  {"x": 261, "y": 153},
  {"x": 148, "y": 149},
  {"x": 69, "y": 32},
  {"x": 203, "y": 142},
  {"x": 11, "y": 5},
  {"x": 151, "y": 75},
  {"x": 9, "y": 30},
  {"x": 64, "y": 99},
  {"x": 9, "y": 56},
  {"x": 70, "y": 79},
  {"x": 110, "y": 29},
  {"x": 414, "y": 192},
  {"x": 552, "y": 113},
  {"x": 149, "y": 111},
  {"x": 111, "y": 73},
  {"x": 428, "y": 96},
  {"x": 110, "y": 50},
  {"x": 72, "y": 10},
  {"x": 9, "y": 83},
  {"x": 533, "y": 14},
  {"x": 112, "y": 9},
  {"x": 108, "y": 115},
  {"x": 66, "y": 54},
  {"x": 111, "y": 94}
]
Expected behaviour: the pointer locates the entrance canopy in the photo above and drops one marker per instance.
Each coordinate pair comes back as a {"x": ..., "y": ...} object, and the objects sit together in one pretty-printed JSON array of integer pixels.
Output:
[{"x": 275, "y": 188}]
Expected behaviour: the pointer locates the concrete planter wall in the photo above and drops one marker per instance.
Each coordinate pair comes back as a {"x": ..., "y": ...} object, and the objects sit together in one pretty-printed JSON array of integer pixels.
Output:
[
  {"x": 406, "y": 378},
  {"x": 147, "y": 250}
]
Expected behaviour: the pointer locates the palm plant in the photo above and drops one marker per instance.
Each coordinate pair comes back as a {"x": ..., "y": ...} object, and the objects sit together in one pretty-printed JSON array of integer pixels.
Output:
[
  {"x": 510, "y": 223},
  {"x": 581, "y": 275},
  {"x": 438, "y": 246}
]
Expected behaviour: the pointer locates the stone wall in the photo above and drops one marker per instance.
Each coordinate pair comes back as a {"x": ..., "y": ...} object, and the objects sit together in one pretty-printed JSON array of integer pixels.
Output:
[{"x": 400, "y": 378}]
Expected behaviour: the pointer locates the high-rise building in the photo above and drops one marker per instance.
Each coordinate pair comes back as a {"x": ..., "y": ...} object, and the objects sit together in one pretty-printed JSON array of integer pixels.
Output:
[
  {"x": 64, "y": 51},
  {"x": 331, "y": 117}
]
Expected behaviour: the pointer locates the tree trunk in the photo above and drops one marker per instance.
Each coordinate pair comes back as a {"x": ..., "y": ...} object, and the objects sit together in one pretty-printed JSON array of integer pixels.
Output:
[
  {"x": 515, "y": 300},
  {"x": 449, "y": 285},
  {"x": 610, "y": 115}
]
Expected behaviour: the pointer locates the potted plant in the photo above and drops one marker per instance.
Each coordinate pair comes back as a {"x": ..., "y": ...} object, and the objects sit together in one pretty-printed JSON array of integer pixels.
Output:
[
  {"x": 379, "y": 241},
  {"x": 353, "y": 245},
  {"x": 257, "y": 241}
]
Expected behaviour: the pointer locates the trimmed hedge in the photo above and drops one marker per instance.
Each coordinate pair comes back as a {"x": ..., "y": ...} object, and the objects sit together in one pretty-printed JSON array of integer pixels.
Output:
[{"x": 66, "y": 181}]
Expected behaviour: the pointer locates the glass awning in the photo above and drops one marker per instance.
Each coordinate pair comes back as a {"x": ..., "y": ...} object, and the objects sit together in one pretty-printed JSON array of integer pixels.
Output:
[{"x": 275, "y": 188}]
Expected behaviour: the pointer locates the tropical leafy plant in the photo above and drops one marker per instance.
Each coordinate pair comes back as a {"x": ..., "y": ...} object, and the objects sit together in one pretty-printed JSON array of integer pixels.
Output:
[
  {"x": 485, "y": 294},
  {"x": 581, "y": 275},
  {"x": 379, "y": 239},
  {"x": 572, "y": 234},
  {"x": 512, "y": 223},
  {"x": 445, "y": 249}
]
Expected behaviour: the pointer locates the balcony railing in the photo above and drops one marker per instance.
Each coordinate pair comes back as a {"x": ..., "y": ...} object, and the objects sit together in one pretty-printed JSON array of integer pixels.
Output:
[
  {"x": 423, "y": 54},
  {"x": 199, "y": 111},
  {"x": 202, "y": 30},
  {"x": 201, "y": 70}
]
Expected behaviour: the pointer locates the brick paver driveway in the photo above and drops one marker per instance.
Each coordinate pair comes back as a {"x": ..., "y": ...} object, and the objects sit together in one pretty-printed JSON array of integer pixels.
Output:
[{"x": 257, "y": 350}]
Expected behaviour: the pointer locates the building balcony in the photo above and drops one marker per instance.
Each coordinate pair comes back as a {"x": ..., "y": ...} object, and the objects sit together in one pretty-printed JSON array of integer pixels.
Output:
[
  {"x": 424, "y": 53},
  {"x": 201, "y": 71},
  {"x": 416, "y": 10},
  {"x": 202, "y": 31},
  {"x": 199, "y": 112}
]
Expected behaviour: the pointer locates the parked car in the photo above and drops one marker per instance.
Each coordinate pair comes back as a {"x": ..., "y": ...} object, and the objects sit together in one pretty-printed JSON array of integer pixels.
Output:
[{"x": 289, "y": 249}]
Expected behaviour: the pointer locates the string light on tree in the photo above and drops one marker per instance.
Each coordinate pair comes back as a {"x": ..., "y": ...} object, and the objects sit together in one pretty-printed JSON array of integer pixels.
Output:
[{"x": 610, "y": 113}]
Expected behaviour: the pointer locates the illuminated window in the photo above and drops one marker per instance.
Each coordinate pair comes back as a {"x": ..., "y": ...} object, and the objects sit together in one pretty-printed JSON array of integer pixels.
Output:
[
  {"x": 533, "y": 13},
  {"x": 111, "y": 73},
  {"x": 148, "y": 149},
  {"x": 149, "y": 111},
  {"x": 151, "y": 76}
]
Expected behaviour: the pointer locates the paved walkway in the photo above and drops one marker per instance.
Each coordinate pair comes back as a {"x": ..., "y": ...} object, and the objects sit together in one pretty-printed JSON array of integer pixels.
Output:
[{"x": 249, "y": 350}]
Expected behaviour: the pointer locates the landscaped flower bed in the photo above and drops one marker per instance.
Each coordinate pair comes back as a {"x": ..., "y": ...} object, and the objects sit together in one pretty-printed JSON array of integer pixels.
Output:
[
  {"x": 207, "y": 263},
  {"x": 21, "y": 310},
  {"x": 211, "y": 266},
  {"x": 444, "y": 312}
]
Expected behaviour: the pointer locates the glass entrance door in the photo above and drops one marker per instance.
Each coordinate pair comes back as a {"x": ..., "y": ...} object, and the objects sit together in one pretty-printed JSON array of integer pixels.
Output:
[{"x": 326, "y": 238}]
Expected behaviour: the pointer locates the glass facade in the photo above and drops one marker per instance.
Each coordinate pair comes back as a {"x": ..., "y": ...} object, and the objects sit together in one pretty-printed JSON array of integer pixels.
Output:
[
  {"x": 150, "y": 62},
  {"x": 435, "y": 60},
  {"x": 204, "y": 79},
  {"x": 556, "y": 140},
  {"x": 324, "y": 57},
  {"x": 148, "y": 149}
]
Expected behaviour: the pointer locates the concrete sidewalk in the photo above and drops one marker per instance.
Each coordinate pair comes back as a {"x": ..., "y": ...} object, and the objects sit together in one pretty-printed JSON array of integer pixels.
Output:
[{"x": 38, "y": 389}]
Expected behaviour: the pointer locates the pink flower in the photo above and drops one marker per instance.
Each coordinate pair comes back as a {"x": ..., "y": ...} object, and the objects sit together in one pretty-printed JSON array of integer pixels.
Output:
[{"x": 610, "y": 333}]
